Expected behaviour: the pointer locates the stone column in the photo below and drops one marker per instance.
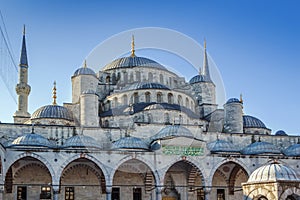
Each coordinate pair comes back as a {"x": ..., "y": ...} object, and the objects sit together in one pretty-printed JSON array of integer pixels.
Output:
[
  {"x": 158, "y": 193},
  {"x": 108, "y": 192},
  {"x": 207, "y": 193},
  {"x": 55, "y": 192}
]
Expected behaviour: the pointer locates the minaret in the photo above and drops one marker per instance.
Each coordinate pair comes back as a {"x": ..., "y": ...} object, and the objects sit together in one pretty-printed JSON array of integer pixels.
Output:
[
  {"x": 22, "y": 88},
  {"x": 205, "y": 68}
]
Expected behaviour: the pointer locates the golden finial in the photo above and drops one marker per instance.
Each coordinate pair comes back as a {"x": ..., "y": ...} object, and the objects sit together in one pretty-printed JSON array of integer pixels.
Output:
[
  {"x": 204, "y": 43},
  {"x": 132, "y": 47},
  {"x": 54, "y": 93},
  {"x": 84, "y": 65},
  {"x": 241, "y": 98},
  {"x": 24, "y": 29}
]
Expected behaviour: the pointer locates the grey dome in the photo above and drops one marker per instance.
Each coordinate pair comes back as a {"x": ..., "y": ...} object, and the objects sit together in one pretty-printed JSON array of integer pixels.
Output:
[
  {"x": 81, "y": 141},
  {"x": 52, "y": 111},
  {"x": 130, "y": 143},
  {"x": 233, "y": 100},
  {"x": 144, "y": 85},
  {"x": 128, "y": 62},
  {"x": 260, "y": 148},
  {"x": 200, "y": 78},
  {"x": 172, "y": 131},
  {"x": 293, "y": 150},
  {"x": 221, "y": 146},
  {"x": 273, "y": 172},
  {"x": 32, "y": 140},
  {"x": 84, "y": 71},
  {"x": 280, "y": 132},
  {"x": 252, "y": 122}
]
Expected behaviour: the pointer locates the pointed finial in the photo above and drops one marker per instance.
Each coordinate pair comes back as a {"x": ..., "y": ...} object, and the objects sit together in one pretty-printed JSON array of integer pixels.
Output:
[
  {"x": 204, "y": 43},
  {"x": 132, "y": 47},
  {"x": 24, "y": 29},
  {"x": 54, "y": 93},
  {"x": 241, "y": 98},
  {"x": 84, "y": 65}
]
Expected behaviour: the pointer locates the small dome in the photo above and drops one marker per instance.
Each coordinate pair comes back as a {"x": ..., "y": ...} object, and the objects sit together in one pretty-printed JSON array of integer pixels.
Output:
[
  {"x": 260, "y": 148},
  {"x": 31, "y": 140},
  {"x": 52, "y": 111},
  {"x": 141, "y": 86},
  {"x": 128, "y": 62},
  {"x": 273, "y": 172},
  {"x": 81, "y": 141},
  {"x": 172, "y": 131},
  {"x": 221, "y": 146},
  {"x": 84, "y": 71},
  {"x": 233, "y": 100},
  {"x": 252, "y": 122},
  {"x": 200, "y": 78},
  {"x": 130, "y": 143},
  {"x": 293, "y": 150},
  {"x": 280, "y": 132},
  {"x": 155, "y": 146}
]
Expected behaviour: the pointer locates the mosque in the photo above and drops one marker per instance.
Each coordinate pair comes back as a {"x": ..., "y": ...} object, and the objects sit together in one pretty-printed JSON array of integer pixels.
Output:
[{"x": 136, "y": 130}]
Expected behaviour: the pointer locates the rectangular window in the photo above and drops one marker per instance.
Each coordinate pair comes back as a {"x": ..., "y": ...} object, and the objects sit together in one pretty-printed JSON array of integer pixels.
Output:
[
  {"x": 220, "y": 194},
  {"x": 45, "y": 192},
  {"x": 69, "y": 193},
  {"x": 21, "y": 193},
  {"x": 200, "y": 194},
  {"x": 137, "y": 194},
  {"x": 115, "y": 194}
]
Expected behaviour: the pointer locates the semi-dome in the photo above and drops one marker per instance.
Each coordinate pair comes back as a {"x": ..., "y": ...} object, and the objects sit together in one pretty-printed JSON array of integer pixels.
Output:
[
  {"x": 132, "y": 61},
  {"x": 172, "y": 131},
  {"x": 281, "y": 133},
  {"x": 130, "y": 143},
  {"x": 81, "y": 141},
  {"x": 84, "y": 71},
  {"x": 31, "y": 140},
  {"x": 252, "y": 122},
  {"x": 233, "y": 100},
  {"x": 200, "y": 78},
  {"x": 145, "y": 85},
  {"x": 260, "y": 148},
  {"x": 273, "y": 172},
  {"x": 293, "y": 150},
  {"x": 221, "y": 146},
  {"x": 52, "y": 111}
]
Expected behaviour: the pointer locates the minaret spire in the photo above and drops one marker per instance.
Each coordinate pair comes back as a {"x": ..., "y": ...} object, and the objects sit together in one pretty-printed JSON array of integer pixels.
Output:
[
  {"x": 205, "y": 68},
  {"x": 132, "y": 47},
  {"x": 54, "y": 93},
  {"x": 22, "y": 88}
]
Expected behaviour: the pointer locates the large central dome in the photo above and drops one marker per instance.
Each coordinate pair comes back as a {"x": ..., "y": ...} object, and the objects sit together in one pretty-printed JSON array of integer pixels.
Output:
[{"x": 132, "y": 61}]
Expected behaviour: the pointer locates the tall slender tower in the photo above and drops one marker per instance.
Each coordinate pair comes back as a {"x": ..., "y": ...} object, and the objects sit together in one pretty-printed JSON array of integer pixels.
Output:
[{"x": 22, "y": 88}]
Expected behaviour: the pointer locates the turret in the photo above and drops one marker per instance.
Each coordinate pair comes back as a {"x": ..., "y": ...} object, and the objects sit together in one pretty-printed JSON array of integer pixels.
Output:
[
  {"x": 89, "y": 107},
  {"x": 233, "y": 119},
  {"x": 22, "y": 88},
  {"x": 204, "y": 88}
]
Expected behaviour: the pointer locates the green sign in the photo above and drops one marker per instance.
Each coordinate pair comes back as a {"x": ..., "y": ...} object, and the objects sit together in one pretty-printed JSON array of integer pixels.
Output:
[{"x": 183, "y": 151}]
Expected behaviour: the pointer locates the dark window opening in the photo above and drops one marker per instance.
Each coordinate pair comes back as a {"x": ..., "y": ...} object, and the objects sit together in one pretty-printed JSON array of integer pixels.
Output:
[
  {"x": 45, "y": 192},
  {"x": 137, "y": 194},
  {"x": 69, "y": 193},
  {"x": 21, "y": 193},
  {"x": 115, "y": 194}
]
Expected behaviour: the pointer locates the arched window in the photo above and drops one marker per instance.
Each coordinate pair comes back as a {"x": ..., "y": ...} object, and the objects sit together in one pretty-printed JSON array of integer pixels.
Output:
[
  {"x": 138, "y": 76},
  {"x": 131, "y": 77},
  {"x": 115, "y": 101},
  {"x": 170, "y": 98},
  {"x": 125, "y": 77},
  {"x": 187, "y": 103},
  {"x": 192, "y": 106},
  {"x": 179, "y": 100},
  {"x": 159, "y": 97},
  {"x": 107, "y": 79},
  {"x": 108, "y": 105},
  {"x": 149, "y": 116},
  {"x": 161, "y": 79},
  {"x": 150, "y": 77},
  {"x": 114, "y": 78},
  {"x": 135, "y": 97},
  {"x": 125, "y": 99},
  {"x": 147, "y": 97},
  {"x": 106, "y": 123},
  {"x": 180, "y": 119},
  {"x": 167, "y": 118},
  {"x": 262, "y": 198}
]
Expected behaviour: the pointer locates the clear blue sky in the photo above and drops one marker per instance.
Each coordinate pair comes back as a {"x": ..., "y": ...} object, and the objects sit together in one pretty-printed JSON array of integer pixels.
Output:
[{"x": 255, "y": 45}]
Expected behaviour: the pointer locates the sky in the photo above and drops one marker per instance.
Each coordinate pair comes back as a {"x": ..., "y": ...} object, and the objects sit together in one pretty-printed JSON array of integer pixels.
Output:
[{"x": 255, "y": 45}]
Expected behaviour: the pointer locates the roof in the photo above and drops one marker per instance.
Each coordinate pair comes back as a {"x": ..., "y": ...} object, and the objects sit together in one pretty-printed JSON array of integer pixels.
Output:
[
  {"x": 293, "y": 150},
  {"x": 52, "y": 111},
  {"x": 260, "y": 148},
  {"x": 84, "y": 71},
  {"x": 31, "y": 140},
  {"x": 129, "y": 62},
  {"x": 252, "y": 122},
  {"x": 130, "y": 143},
  {"x": 81, "y": 141},
  {"x": 221, "y": 146},
  {"x": 145, "y": 85},
  {"x": 172, "y": 131},
  {"x": 273, "y": 172},
  {"x": 200, "y": 78},
  {"x": 281, "y": 132},
  {"x": 233, "y": 100}
]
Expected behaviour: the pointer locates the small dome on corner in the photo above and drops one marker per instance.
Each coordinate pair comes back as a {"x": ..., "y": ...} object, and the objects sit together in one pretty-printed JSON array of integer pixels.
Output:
[
  {"x": 84, "y": 71},
  {"x": 233, "y": 100},
  {"x": 281, "y": 132}
]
